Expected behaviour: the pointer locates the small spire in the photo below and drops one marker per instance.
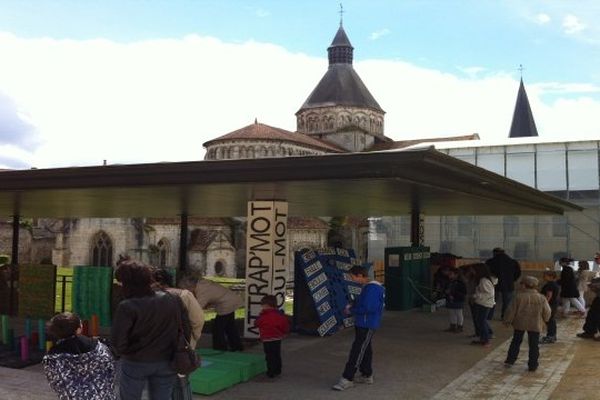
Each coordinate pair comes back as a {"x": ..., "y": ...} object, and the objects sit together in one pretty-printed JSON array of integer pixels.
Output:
[
  {"x": 255, "y": 121},
  {"x": 521, "y": 70},
  {"x": 523, "y": 124},
  {"x": 341, "y": 14}
]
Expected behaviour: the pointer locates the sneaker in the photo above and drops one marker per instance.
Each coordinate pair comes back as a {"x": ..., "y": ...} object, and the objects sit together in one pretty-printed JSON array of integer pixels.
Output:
[
  {"x": 585, "y": 335},
  {"x": 532, "y": 369},
  {"x": 548, "y": 340},
  {"x": 364, "y": 379},
  {"x": 508, "y": 364},
  {"x": 343, "y": 384}
]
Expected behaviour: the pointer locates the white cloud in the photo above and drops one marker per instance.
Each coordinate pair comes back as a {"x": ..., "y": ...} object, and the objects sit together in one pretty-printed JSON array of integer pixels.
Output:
[
  {"x": 542, "y": 19},
  {"x": 159, "y": 100},
  {"x": 471, "y": 72},
  {"x": 380, "y": 33},
  {"x": 572, "y": 25}
]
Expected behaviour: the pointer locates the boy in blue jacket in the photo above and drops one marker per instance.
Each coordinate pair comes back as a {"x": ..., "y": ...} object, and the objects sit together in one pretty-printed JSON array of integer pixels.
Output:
[{"x": 367, "y": 310}]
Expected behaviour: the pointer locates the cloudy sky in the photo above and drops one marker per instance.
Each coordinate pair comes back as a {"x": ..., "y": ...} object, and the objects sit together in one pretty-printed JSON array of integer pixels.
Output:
[{"x": 131, "y": 81}]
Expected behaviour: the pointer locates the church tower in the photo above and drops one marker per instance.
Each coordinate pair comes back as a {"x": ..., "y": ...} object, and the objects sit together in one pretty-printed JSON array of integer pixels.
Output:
[
  {"x": 341, "y": 110},
  {"x": 523, "y": 124}
]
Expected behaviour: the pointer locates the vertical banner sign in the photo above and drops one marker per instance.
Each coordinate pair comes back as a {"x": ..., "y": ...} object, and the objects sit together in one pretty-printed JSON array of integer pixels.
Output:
[{"x": 266, "y": 258}]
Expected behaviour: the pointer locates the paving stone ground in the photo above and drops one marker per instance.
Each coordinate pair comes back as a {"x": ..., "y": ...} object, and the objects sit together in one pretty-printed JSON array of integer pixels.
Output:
[{"x": 413, "y": 359}]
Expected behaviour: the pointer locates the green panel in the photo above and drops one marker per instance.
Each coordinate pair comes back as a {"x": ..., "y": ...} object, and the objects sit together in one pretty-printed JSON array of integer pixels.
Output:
[
  {"x": 37, "y": 294},
  {"x": 406, "y": 263},
  {"x": 92, "y": 292}
]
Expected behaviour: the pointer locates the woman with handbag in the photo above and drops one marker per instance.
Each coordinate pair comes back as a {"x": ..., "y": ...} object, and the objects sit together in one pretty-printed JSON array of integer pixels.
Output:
[
  {"x": 195, "y": 315},
  {"x": 145, "y": 330}
]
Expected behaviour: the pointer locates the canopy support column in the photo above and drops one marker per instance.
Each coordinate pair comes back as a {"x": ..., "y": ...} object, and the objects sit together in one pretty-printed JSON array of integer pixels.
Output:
[
  {"x": 14, "y": 261},
  {"x": 417, "y": 228},
  {"x": 183, "y": 242}
]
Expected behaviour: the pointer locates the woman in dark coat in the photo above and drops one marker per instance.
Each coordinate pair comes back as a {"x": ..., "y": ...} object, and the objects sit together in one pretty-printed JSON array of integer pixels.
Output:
[{"x": 568, "y": 291}]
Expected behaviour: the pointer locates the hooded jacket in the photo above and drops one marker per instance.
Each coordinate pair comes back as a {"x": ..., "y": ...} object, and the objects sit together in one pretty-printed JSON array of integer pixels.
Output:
[
  {"x": 484, "y": 292},
  {"x": 272, "y": 325},
  {"x": 89, "y": 375},
  {"x": 368, "y": 308},
  {"x": 529, "y": 311}
]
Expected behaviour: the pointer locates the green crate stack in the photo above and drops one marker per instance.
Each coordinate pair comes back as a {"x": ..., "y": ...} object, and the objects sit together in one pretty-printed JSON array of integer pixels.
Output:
[
  {"x": 221, "y": 370},
  {"x": 208, "y": 380},
  {"x": 92, "y": 292}
]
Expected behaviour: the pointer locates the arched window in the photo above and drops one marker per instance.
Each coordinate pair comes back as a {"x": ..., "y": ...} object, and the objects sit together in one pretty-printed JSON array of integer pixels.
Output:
[
  {"x": 163, "y": 253},
  {"x": 102, "y": 250},
  {"x": 220, "y": 268}
]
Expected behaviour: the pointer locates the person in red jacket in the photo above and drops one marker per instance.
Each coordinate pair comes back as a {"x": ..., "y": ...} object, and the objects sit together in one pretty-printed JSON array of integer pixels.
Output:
[{"x": 272, "y": 325}]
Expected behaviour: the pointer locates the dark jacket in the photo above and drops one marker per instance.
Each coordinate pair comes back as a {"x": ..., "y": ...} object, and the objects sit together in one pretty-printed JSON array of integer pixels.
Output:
[
  {"x": 272, "y": 325},
  {"x": 568, "y": 284},
  {"x": 368, "y": 308},
  {"x": 506, "y": 270},
  {"x": 145, "y": 328},
  {"x": 456, "y": 292},
  {"x": 551, "y": 287}
]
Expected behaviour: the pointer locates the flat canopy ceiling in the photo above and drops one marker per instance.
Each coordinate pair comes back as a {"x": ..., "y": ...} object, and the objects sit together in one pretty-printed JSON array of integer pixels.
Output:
[{"x": 361, "y": 184}]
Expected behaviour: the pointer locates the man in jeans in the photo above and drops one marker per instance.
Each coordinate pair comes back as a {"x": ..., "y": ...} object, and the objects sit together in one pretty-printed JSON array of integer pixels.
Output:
[
  {"x": 529, "y": 313},
  {"x": 367, "y": 310},
  {"x": 507, "y": 271}
]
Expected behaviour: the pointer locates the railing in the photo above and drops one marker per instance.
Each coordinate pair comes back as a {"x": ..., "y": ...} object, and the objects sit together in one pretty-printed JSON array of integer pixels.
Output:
[{"x": 64, "y": 289}]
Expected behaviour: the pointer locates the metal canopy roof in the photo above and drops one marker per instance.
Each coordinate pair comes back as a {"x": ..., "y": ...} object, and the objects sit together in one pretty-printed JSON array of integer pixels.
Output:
[{"x": 364, "y": 184}]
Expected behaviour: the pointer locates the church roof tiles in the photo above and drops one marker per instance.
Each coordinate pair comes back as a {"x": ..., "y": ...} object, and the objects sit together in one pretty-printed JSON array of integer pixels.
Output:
[{"x": 258, "y": 131}]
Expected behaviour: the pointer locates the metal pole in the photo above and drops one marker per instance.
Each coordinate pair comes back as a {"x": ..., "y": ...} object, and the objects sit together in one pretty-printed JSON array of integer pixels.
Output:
[
  {"x": 64, "y": 293},
  {"x": 183, "y": 245},
  {"x": 415, "y": 228},
  {"x": 14, "y": 261}
]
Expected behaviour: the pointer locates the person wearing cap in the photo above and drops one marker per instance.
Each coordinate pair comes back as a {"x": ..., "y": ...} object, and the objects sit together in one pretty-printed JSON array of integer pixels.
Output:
[
  {"x": 528, "y": 312},
  {"x": 508, "y": 271}
]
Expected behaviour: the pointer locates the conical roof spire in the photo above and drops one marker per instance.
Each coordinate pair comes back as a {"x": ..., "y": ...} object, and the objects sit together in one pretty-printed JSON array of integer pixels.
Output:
[{"x": 523, "y": 124}]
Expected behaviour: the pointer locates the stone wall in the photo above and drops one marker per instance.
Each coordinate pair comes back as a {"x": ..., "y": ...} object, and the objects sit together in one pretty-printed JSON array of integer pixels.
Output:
[
  {"x": 242, "y": 149},
  {"x": 333, "y": 119}
]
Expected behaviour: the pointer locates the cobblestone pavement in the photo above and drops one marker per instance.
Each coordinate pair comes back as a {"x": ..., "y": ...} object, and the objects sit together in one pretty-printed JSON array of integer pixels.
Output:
[{"x": 489, "y": 379}]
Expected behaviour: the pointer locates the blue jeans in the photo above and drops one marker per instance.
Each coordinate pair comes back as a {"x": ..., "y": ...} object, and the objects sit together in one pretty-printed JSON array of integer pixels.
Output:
[
  {"x": 482, "y": 326},
  {"x": 506, "y": 299},
  {"x": 134, "y": 375},
  {"x": 552, "y": 324}
]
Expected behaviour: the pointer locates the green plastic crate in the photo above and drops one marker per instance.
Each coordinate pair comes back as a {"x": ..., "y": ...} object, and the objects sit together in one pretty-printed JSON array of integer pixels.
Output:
[
  {"x": 249, "y": 365},
  {"x": 208, "y": 380}
]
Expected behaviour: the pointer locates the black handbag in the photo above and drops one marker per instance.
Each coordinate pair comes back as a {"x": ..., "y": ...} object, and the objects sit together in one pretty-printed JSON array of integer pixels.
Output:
[{"x": 185, "y": 359}]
